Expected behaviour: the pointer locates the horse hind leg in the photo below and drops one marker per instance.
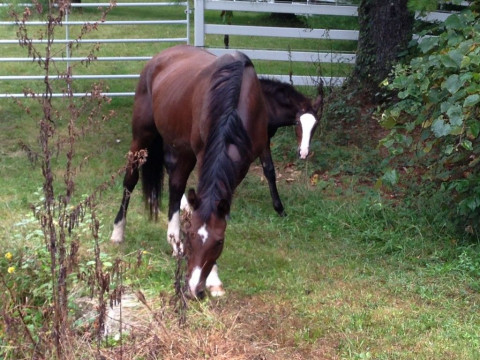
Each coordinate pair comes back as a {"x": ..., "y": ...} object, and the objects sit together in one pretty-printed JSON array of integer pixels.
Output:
[
  {"x": 135, "y": 159},
  {"x": 129, "y": 182}
]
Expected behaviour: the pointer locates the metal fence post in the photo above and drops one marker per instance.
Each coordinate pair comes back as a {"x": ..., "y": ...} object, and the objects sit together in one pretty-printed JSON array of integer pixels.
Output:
[{"x": 199, "y": 23}]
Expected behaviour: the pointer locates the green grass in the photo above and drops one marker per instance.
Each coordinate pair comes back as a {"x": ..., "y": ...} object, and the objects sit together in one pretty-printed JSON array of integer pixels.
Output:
[
  {"x": 351, "y": 273},
  {"x": 346, "y": 271}
]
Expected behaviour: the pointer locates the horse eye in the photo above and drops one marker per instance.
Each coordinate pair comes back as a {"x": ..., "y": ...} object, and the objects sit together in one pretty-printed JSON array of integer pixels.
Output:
[{"x": 219, "y": 242}]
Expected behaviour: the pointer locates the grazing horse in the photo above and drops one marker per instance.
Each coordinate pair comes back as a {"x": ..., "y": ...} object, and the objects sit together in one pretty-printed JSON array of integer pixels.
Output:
[
  {"x": 286, "y": 106},
  {"x": 190, "y": 108}
]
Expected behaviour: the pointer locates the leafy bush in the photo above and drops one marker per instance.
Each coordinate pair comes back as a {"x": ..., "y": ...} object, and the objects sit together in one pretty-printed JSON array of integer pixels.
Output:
[{"x": 436, "y": 116}]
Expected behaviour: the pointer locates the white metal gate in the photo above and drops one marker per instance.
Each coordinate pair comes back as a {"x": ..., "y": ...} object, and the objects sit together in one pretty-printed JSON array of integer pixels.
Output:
[{"x": 68, "y": 40}]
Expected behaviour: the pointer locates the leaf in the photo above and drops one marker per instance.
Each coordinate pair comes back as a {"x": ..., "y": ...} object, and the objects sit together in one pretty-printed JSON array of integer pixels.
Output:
[
  {"x": 467, "y": 145},
  {"x": 441, "y": 128},
  {"x": 474, "y": 129},
  {"x": 428, "y": 44},
  {"x": 471, "y": 100},
  {"x": 455, "y": 115},
  {"x": 454, "y": 22},
  {"x": 456, "y": 56},
  {"x": 449, "y": 149},
  {"x": 387, "y": 121},
  {"x": 390, "y": 176},
  {"x": 452, "y": 84},
  {"x": 448, "y": 62}
]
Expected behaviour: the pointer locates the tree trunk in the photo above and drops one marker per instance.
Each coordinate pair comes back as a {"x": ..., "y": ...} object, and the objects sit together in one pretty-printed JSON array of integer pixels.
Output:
[{"x": 385, "y": 30}]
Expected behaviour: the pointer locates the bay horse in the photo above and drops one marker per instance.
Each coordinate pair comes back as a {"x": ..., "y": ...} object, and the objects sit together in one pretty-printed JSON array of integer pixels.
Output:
[
  {"x": 190, "y": 108},
  {"x": 286, "y": 107}
]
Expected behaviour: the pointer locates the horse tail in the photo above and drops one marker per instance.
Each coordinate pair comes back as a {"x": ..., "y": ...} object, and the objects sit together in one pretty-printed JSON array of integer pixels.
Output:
[
  {"x": 220, "y": 172},
  {"x": 152, "y": 172}
]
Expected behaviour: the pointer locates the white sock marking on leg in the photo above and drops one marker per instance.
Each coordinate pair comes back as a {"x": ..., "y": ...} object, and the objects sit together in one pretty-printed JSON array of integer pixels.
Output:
[
  {"x": 118, "y": 233},
  {"x": 194, "y": 280},
  {"x": 173, "y": 234},
  {"x": 184, "y": 205},
  {"x": 214, "y": 284}
]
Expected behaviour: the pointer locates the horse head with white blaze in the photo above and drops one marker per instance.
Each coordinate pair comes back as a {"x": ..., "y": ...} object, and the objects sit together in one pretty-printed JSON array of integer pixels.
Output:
[
  {"x": 306, "y": 121},
  {"x": 287, "y": 106}
]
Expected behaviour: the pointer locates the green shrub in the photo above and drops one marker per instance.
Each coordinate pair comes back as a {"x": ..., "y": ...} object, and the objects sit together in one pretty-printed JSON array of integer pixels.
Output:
[{"x": 436, "y": 116}]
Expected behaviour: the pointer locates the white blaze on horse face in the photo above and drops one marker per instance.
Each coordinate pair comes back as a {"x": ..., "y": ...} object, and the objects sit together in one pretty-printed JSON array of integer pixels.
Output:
[
  {"x": 307, "y": 121},
  {"x": 118, "y": 231},
  {"x": 173, "y": 234},
  {"x": 194, "y": 280},
  {"x": 203, "y": 233}
]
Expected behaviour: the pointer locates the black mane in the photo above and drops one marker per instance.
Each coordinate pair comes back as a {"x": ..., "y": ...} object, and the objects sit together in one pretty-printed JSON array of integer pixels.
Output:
[{"x": 219, "y": 173}]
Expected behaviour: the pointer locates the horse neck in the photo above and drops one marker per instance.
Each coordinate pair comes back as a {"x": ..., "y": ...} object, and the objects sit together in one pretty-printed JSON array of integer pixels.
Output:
[
  {"x": 280, "y": 115},
  {"x": 220, "y": 173},
  {"x": 281, "y": 112}
]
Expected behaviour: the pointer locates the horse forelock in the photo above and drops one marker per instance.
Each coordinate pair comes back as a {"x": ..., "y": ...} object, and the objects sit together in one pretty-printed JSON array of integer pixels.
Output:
[{"x": 219, "y": 172}]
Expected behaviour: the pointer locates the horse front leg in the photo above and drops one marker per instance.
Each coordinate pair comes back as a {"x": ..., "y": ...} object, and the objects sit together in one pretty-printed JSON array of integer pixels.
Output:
[
  {"x": 214, "y": 284},
  {"x": 269, "y": 172},
  {"x": 178, "y": 171}
]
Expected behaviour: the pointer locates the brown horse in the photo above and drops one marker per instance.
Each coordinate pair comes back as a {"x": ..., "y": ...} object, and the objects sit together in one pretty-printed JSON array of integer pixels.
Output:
[
  {"x": 192, "y": 107},
  {"x": 286, "y": 107}
]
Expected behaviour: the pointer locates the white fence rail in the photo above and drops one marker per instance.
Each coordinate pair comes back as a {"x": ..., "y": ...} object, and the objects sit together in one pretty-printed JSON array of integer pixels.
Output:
[
  {"x": 67, "y": 41},
  {"x": 202, "y": 29}
]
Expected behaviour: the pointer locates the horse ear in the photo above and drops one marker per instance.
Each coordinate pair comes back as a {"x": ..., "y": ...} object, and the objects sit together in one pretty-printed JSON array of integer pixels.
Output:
[
  {"x": 223, "y": 208},
  {"x": 317, "y": 104},
  {"x": 192, "y": 199}
]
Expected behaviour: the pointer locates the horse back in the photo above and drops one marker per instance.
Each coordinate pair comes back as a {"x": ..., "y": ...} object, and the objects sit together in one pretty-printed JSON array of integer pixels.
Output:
[
  {"x": 179, "y": 80},
  {"x": 178, "y": 89}
]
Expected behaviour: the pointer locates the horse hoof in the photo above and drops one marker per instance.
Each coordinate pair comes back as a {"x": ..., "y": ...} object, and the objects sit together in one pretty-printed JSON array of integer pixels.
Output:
[
  {"x": 116, "y": 238},
  {"x": 216, "y": 291},
  {"x": 118, "y": 232}
]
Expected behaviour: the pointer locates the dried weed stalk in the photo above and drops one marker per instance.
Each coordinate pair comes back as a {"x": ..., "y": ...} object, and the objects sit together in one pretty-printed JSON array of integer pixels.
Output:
[{"x": 57, "y": 215}]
